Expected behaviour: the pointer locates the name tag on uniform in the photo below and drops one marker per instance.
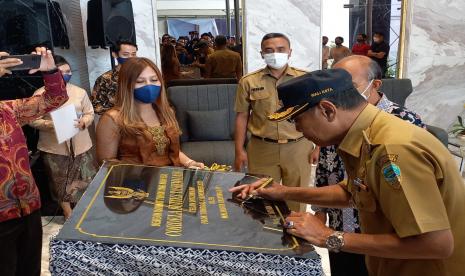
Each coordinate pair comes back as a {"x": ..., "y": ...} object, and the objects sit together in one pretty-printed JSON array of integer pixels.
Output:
[{"x": 256, "y": 89}]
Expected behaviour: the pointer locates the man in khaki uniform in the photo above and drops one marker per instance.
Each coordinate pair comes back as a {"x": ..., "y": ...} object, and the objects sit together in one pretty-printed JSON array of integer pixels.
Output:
[
  {"x": 404, "y": 182},
  {"x": 223, "y": 63},
  {"x": 275, "y": 148}
]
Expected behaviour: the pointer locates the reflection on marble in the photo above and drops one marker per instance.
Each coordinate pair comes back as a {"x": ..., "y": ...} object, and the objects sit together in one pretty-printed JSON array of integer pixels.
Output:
[
  {"x": 299, "y": 19},
  {"x": 436, "y": 60},
  {"x": 99, "y": 61}
]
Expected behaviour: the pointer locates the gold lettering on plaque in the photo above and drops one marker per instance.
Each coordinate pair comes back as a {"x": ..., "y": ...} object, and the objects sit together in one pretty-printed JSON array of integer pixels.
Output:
[
  {"x": 159, "y": 201},
  {"x": 174, "y": 220},
  {"x": 192, "y": 200},
  {"x": 221, "y": 205},
  {"x": 202, "y": 202},
  {"x": 211, "y": 200}
]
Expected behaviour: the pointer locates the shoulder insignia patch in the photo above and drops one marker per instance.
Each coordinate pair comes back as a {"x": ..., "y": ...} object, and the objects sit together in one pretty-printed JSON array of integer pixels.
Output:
[
  {"x": 388, "y": 158},
  {"x": 392, "y": 174}
]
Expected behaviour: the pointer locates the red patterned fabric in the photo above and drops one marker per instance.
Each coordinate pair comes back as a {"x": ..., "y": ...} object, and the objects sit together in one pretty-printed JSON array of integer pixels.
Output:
[{"x": 19, "y": 195}]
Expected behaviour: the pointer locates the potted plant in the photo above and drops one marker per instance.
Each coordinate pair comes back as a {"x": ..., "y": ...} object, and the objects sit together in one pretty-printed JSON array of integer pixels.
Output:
[{"x": 458, "y": 129}]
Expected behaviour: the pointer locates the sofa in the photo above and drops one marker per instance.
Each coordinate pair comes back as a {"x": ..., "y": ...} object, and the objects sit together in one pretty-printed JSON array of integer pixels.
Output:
[
  {"x": 397, "y": 90},
  {"x": 206, "y": 116},
  {"x": 189, "y": 82}
]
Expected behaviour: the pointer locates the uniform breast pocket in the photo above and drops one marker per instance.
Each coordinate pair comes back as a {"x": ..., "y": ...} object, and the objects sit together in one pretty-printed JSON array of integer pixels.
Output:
[
  {"x": 260, "y": 95},
  {"x": 365, "y": 201}
]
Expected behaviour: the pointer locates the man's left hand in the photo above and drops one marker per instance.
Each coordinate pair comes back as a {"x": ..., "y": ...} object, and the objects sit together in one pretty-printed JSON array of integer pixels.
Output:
[{"x": 308, "y": 227}]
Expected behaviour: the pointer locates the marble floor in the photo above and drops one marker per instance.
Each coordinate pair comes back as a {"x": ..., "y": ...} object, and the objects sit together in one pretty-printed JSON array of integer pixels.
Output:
[{"x": 51, "y": 228}]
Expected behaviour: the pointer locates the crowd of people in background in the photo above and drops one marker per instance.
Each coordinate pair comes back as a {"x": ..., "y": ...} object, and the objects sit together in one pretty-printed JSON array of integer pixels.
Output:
[
  {"x": 206, "y": 56},
  {"x": 378, "y": 50}
]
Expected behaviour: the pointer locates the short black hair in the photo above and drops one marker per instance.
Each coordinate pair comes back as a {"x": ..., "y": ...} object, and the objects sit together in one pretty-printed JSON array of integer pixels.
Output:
[
  {"x": 364, "y": 36},
  {"x": 347, "y": 100},
  {"x": 60, "y": 60},
  {"x": 340, "y": 37},
  {"x": 201, "y": 44},
  {"x": 323, "y": 37},
  {"x": 206, "y": 34},
  {"x": 275, "y": 35},
  {"x": 378, "y": 33},
  {"x": 117, "y": 47},
  {"x": 221, "y": 41}
]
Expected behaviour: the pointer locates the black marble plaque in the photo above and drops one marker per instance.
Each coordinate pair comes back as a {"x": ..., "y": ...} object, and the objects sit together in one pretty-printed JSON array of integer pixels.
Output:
[{"x": 169, "y": 206}]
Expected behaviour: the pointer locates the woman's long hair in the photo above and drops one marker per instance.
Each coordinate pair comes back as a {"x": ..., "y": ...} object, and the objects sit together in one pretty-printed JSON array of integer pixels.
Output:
[
  {"x": 169, "y": 60},
  {"x": 129, "y": 121}
]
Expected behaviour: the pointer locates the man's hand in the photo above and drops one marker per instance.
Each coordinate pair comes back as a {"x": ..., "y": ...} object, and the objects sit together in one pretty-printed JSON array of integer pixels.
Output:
[
  {"x": 7, "y": 63},
  {"x": 273, "y": 191},
  {"x": 308, "y": 227},
  {"x": 321, "y": 216},
  {"x": 240, "y": 160},
  {"x": 314, "y": 156},
  {"x": 47, "y": 63}
]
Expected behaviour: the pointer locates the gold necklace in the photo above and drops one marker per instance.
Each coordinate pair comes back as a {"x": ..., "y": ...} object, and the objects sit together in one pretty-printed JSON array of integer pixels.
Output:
[{"x": 159, "y": 138}]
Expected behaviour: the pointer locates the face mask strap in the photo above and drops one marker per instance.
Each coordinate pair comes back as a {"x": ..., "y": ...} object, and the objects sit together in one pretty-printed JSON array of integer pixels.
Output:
[{"x": 363, "y": 93}]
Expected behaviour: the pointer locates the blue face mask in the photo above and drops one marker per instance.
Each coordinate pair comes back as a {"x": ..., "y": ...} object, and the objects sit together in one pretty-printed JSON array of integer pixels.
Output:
[
  {"x": 121, "y": 60},
  {"x": 67, "y": 77},
  {"x": 148, "y": 93}
]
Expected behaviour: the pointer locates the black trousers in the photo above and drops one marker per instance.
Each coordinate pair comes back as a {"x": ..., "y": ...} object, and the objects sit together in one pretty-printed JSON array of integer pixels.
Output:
[
  {"x": 347, "y": 264},
  {"x": 21, "y": 246}
]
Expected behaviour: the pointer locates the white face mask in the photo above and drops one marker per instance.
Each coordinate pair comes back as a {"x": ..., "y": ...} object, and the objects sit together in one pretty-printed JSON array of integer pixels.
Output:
[
  {"x": 363, "y": 93},
  {"x": 276, "y": 60}
]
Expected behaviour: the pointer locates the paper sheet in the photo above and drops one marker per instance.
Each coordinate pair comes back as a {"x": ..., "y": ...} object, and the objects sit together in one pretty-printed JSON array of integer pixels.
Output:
[{"x": 64, "y": 120}]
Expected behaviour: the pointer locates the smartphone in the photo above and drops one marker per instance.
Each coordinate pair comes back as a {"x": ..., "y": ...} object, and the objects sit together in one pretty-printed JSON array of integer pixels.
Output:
[{"x": 29, "y": 62}]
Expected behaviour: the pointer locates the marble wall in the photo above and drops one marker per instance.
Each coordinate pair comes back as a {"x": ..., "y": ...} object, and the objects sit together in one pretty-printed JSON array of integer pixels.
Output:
[
  {"x": 435, "y": 59},
  {"x": 299, "y": 19},
  {"x": 145, "y": 20}
]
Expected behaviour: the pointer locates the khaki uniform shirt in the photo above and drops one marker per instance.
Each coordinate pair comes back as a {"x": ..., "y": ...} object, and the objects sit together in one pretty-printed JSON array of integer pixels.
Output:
[
  {"x": 404, "y": 181},
  {"x": 256, "y": 92},
  {"x": 223, "y": 64}
]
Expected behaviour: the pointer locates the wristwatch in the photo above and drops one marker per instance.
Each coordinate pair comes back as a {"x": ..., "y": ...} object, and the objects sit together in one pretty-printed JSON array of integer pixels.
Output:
[{"x": 335, "y": 241}]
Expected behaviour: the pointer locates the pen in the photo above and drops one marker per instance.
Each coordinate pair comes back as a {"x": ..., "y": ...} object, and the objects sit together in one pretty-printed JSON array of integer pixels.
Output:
[{"x": 268, "y": 181}]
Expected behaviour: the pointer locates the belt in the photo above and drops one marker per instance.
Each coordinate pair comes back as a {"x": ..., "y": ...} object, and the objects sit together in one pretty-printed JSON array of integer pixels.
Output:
[{"x": 280, "y": 141}]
